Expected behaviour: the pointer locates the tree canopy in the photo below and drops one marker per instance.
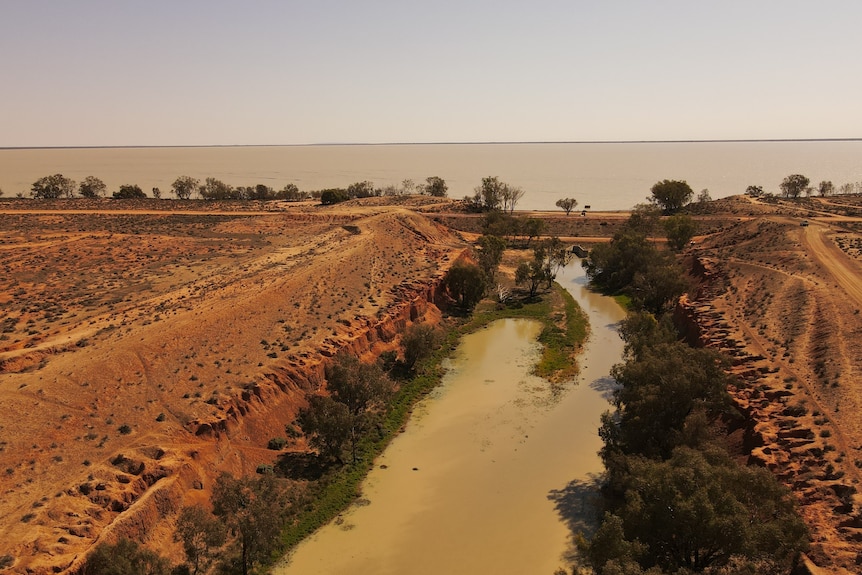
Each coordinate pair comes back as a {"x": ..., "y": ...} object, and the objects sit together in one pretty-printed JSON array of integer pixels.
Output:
[
  {"x": 53, "y": 187},
  {"x": 679, "y": 230},
  {"x": 92, "y": 187},
  {"x": 671, "y": 195},
  {"x": 793, "y": 185},
  {"x": 435, "y": 186},
  {"x": 129, "y": 192},
  {"x": 465, "y": 283},
  {"x": 566, "y": 204},
  {"x": 184, "y": 186}
]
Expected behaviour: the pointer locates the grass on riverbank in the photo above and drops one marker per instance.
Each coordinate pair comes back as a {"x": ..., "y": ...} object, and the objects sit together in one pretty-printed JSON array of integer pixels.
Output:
[{"x": 564, "y": 332}]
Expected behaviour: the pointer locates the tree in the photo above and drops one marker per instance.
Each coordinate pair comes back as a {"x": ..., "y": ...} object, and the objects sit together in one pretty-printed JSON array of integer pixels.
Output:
[
  {"x": 201, "y": 534},
  {"x": 793, "y": 185},
  {"x": 704, "y": 197},
  {"x": 700, "y": 509},
  {"x": 509, "y": 197},
  {"x": 419, "y": 342},
  {"x": 157, "y": 193},
  {"x": 435, "y": 186},
  {"x": 532, "y": 228},
  {"x": 53, "y": 187},
  {"x": 129, "y": 192},
  {"x": 327, "y": 423},
  {"x": 465, "y": 283},
  {"x": 125, "y": 557},
  {"x": 489, "y": 195},
  {"x": 361, "y": 387},
  {"x": 490, "y": 254},
  {"x": 92, "y": 187},
  {"x": 361, "y": 190},
  {"x": 184, "y": 186},
  {"x": 657, "y": 392},
  {"x": 679, "y": 230},
  {"x": 531, "y": 273},
  {"x": 333, "y": 196},
  {"x": 290, "y": 192},
  {"x": 754, "y": 191},
  {"x": 552, "y": 255},
  {"x": 671, "y": 195},
  {"x": 826, "y": 188},
  {"x": 567, "y": 204},
  {"x": 214, "y": 189},
  {"x": 253, "y": 510}
]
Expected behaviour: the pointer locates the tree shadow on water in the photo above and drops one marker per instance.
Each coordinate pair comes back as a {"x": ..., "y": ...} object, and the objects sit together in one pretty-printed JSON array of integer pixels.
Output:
[
  {"x": 578, "y": 505},
  {"x": 606, "y": 386}
]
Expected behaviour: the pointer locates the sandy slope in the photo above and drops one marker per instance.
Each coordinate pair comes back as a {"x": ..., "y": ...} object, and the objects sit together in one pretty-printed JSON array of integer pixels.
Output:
[
  {"x": 784, "y": 301},
  {"x": 145, "y": 352}
]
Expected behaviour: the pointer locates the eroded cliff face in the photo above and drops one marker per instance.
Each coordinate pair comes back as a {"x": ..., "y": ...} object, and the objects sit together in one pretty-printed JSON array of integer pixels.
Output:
[
  {"x": 773, "y": 332},
  {"x": 200, "y": 360}
]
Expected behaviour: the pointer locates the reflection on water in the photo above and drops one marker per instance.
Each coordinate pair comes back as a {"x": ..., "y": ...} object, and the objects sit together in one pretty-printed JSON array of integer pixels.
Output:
[{"x": 490, "y": 476}]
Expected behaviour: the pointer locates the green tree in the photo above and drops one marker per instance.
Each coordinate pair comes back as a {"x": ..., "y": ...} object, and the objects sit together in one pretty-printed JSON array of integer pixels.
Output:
[
  {"x": 129, "y": 192},
  {"x": 700, "y": 509},
  {"x": 53, "y": 187},
  {"x": 657, "y": 391},
  {"x": 214, "y": 189},
  {"x": 793, "y": 185},
  {"x": 465, "y": 283},
  {"x": 826, "y": 188},
  {"x": 92, "y": 187},
  {"x": 566, "y": 204},
  {"x": 754, "y": 191},
  {"x": 612, "y": 266},
  {"x": 327, "y": 424},
  {"x": 361, "y": 190},
  {"x": 201, "y": 535},
  {"x": 125, "y": 557},
  {"x": 419, "y": 341},
  {"x": 679, "y": 230},
  {"x": 489, "y": 194},
  {"x": 509, "y": 197},
  {"x": 435, "y": 186},
  {"x": 290, "y": 192},
  {"x": 532, "y": 228},
  {"x": 254, "y": 510},
  {"x": 671, "y": 195},
  {"x": 552, "y": 254},
  {"x": 490, "y": 254},
  {"x": 363, "y": 388},
  {"x": 531, "y": 273},
  {"x": 184, "y": 186},
  {"x": 333, "y": 196}
]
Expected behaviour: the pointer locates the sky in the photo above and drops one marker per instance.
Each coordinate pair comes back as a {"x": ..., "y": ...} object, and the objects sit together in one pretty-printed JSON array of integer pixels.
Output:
[{"x": 219, "y": 72}]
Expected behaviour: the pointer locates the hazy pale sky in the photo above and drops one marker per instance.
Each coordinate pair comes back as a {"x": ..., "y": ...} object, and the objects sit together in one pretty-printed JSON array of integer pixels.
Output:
[{"x": 202, "y": 72}]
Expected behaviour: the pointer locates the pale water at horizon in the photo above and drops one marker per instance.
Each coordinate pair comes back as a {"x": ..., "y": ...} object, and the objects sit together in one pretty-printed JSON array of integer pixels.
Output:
[{"x": 606, "y": 176}]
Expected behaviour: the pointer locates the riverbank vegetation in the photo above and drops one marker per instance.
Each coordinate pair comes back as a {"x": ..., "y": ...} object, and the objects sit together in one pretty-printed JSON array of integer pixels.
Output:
[
  {"x": 674, "y": 499},
  {"x": 256, "y": 520}
]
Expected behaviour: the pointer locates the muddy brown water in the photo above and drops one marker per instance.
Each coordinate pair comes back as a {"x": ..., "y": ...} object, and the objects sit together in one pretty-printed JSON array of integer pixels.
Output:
[{"x": 494, "y": 470}]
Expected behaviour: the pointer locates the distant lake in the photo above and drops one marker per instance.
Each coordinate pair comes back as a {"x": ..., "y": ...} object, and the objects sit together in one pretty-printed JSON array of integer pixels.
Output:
[{"x": 606, "y": 176}]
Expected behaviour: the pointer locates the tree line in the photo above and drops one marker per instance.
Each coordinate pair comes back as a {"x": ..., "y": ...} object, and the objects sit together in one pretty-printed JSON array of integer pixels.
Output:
[
  {"x": 58, "y": 186},
  {"x": 674, "y": 501}
]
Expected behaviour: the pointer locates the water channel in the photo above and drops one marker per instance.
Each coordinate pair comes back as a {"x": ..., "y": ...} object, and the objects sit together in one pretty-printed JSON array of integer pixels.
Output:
[{"x": 493, "y": 469}]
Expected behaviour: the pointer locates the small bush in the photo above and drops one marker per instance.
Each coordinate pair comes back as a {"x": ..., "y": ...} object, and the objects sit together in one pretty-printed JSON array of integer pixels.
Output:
[
  {"x": 276, "y": 443},
  {"x": 125, "y": 429}
]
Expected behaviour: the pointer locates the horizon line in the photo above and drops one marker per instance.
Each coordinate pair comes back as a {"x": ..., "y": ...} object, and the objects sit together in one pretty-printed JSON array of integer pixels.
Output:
[{"x": 450, "y": 143}]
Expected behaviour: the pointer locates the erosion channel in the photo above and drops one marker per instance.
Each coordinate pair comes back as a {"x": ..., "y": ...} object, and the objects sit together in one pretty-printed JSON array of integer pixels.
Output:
[{"x": 494, "y": 468}]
